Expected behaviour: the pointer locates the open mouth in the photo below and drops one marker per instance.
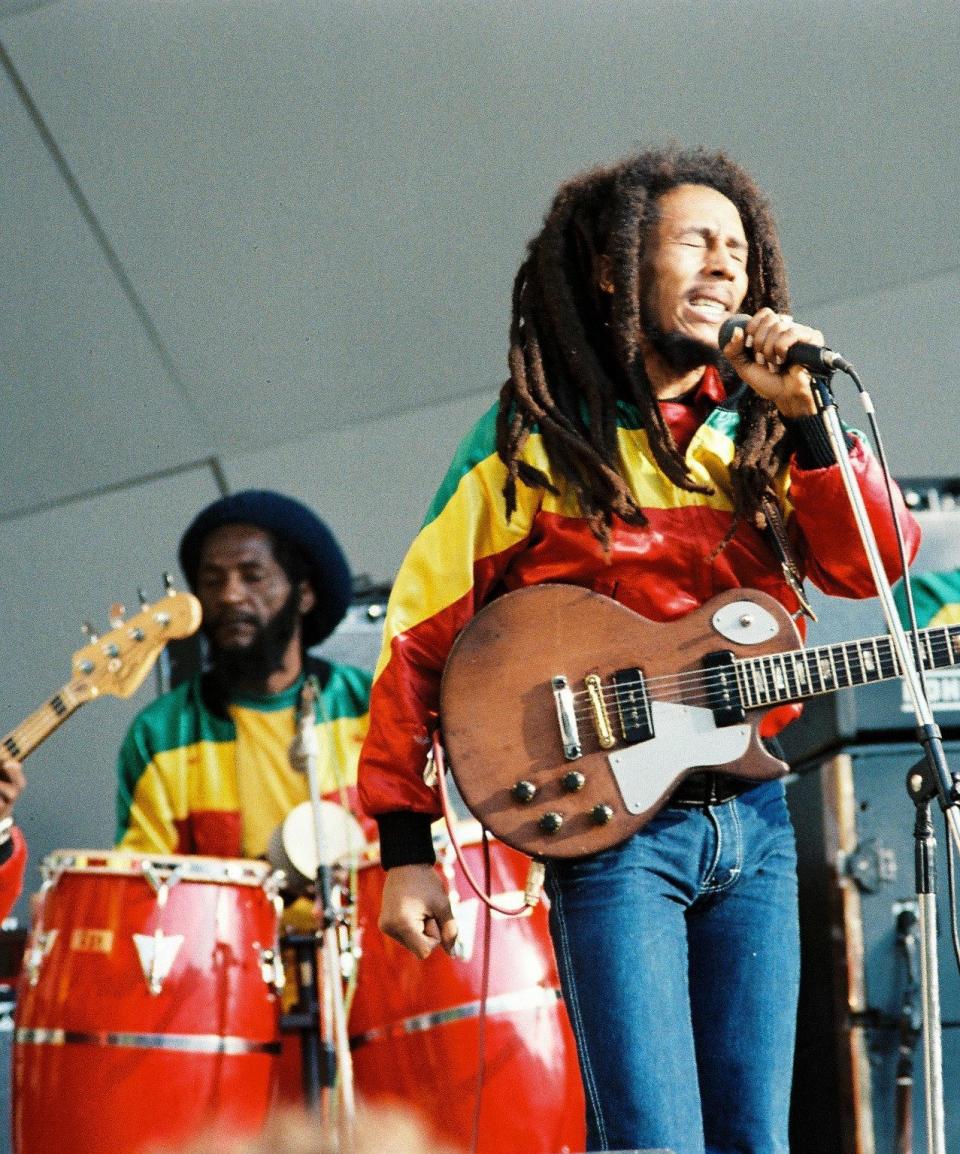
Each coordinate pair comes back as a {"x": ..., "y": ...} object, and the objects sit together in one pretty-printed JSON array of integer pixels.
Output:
[{"x": 708, "y": 309}]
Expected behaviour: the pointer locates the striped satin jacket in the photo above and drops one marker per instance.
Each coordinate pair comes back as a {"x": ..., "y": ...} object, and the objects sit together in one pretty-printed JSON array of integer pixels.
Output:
[{"x": 468, "y": 551}]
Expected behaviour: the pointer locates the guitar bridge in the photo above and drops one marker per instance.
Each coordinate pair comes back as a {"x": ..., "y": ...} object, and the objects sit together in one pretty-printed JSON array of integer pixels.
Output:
[
  {"x": 601, "y": 718},
  {"x": 566, "y": 716}
]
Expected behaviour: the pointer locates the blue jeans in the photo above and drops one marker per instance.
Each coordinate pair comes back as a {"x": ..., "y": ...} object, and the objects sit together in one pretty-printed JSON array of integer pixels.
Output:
[{"x": 679, "y": 957}]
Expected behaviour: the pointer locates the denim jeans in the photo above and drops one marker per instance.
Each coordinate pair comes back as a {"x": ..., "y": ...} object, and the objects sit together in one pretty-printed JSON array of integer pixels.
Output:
[{"x": 679, "y": 958}]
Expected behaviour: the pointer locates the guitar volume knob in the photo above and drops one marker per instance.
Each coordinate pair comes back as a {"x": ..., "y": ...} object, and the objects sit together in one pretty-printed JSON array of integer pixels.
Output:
[
  {"x": 550, "y": 822},
  {"x": 524, "y": 792},
  {"x": 573, "y": 781},
  {"x": 601, "y": 814}
]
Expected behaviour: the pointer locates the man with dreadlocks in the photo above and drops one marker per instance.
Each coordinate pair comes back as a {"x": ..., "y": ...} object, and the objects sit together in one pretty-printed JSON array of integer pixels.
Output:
[{"x": 629, "y": 456}]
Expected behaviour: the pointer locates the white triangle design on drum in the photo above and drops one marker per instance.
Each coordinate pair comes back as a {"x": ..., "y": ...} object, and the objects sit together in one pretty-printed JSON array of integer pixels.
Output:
[{"x": 157, "y": 955}]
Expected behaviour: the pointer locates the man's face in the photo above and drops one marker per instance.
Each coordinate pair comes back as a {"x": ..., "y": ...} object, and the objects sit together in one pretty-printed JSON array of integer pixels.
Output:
[
  {"x": 250, "y": 609},
  {"x": 695, "y": 272}
]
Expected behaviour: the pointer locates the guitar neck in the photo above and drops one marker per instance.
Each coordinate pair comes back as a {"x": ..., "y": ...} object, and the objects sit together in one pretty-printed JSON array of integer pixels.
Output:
[
  {"x": 782, "y": 678},
  {"x": 42, "y": 722}
]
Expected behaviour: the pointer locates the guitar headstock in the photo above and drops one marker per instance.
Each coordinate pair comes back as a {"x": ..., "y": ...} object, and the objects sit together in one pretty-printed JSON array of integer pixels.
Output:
[{"x": 118, "y": 662}]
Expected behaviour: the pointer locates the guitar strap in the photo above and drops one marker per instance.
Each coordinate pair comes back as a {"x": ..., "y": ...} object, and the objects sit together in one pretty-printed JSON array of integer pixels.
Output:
[{"x": 777, "y": 533}]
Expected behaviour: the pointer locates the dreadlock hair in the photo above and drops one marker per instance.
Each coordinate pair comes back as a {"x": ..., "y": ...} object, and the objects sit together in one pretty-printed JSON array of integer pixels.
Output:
[{"x": 574, "y": 350}]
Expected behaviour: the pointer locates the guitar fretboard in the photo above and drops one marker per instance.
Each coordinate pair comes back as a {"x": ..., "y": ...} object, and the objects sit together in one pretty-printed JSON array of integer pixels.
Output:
[
  {"x": 42, "y": 722},
  {"x": 785, "y": 677}
]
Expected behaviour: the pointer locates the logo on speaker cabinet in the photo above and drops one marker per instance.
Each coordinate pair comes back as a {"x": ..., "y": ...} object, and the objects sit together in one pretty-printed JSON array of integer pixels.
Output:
[{"x": 943, "y": 690}]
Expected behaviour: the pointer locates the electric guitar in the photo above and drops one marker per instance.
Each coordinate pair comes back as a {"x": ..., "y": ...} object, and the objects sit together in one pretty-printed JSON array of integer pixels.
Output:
[
  {"x": 115, "y": 663},
  {"x": 568, "y": 719}
]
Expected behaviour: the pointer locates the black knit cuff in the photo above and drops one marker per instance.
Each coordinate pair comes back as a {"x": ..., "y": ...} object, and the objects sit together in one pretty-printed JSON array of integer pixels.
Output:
[
  {"x": 6, "y": 850},
  {"x": 811, "y": 443},
  {"x": 405, "y": 839}
]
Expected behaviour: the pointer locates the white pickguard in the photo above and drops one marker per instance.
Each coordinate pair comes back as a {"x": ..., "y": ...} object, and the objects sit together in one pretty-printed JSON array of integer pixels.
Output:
[{"x": 686, "y": 736}]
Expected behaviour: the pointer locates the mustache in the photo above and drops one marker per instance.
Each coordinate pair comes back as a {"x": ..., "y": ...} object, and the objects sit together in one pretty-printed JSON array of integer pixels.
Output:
[{"x": 230, "y": 617}]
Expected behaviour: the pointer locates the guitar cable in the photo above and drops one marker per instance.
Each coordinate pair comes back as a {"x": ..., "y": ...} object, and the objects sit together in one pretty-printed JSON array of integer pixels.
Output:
[
  {"x": 533, "y": 888},
  {"x": 531, "y": 896}
]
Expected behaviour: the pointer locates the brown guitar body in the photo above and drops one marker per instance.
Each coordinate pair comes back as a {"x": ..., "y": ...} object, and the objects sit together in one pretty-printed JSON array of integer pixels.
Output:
[{"x": 500, "y": 716}]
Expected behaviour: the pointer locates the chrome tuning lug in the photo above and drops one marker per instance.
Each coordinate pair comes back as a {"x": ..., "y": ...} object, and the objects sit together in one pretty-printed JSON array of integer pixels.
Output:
[
  {"x": 271, "y": 968},
  {"x": 43, "y": 941}
]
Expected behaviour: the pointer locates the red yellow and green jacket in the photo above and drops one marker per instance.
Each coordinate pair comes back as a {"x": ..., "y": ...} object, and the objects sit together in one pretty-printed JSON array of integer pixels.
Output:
[
  {"x": 13, "y": 862},
  {"x": 468, "y": 552},
  {"x": 200, "y": 776},
  {"x": 936, "y": 599}
]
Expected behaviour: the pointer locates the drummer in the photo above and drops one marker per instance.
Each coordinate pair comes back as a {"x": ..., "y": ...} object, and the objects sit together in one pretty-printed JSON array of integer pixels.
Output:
[
  {"x": 13, "y": 848},
  {"x": 206, "y": 768}
]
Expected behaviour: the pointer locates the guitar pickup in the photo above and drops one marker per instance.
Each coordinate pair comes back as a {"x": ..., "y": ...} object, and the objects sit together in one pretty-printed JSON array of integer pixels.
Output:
[
  {"x": 723, "y": 692},
  {"x": 633, "y": 706}
]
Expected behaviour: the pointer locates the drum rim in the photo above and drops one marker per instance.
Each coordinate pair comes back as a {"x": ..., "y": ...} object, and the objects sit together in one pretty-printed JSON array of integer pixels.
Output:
[{"x": 130, "y": 863}]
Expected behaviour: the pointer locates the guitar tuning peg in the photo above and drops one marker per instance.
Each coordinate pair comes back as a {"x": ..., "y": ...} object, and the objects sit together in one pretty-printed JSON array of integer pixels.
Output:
[
  {"x": 117, "y": 613},
  {"x": 89, "y": 632}
]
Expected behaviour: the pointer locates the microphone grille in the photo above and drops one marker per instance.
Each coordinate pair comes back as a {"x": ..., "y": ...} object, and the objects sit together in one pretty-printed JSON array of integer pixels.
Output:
[{"x": 730, "y": 326}]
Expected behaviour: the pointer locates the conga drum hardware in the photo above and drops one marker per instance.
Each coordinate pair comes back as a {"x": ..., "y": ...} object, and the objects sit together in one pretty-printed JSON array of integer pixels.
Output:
[
  {"x": 42, "y": 940},
  {"x": 160, "y": 881},
  {"x": 415, "y": 1026},
  {"x": 41, "y": 946},
  {"x": 271, "y": 968},
  {"x": 153, "y": 987}
]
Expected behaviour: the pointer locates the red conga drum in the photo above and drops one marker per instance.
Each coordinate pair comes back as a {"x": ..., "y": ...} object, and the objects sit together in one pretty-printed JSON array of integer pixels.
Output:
[
  {"x": 147, "y": 1008},
  {"x": 415, "y": 1026}
]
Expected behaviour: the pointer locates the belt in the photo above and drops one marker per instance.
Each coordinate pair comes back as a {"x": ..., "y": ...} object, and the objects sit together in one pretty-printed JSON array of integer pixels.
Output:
[{"x": 700, "y": 789}]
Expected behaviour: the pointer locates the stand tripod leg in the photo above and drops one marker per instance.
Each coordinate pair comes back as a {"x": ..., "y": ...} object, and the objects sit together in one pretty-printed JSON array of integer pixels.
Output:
[
  {"x": 921, "y": 790},
  {"x": 317, "y": 1061},
  {"x": 932, "y": 1040},
  {"x": 907, "y": 922},
  {"x": 336, "y": 1035}
]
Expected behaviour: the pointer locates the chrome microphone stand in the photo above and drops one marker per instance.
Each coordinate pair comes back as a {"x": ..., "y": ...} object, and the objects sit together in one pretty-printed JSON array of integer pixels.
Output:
[
  {"x": 305, "y": 754},
  {"x": 930, "y": 777}
]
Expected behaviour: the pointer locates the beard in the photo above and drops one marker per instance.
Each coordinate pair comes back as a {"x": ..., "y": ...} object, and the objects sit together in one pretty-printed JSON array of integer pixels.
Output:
[
  {"x": 252, "y": 663},
  {"x": 679, "y": 351}
]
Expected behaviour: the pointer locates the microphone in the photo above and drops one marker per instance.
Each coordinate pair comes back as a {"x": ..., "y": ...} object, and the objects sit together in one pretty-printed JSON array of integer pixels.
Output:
[
  {"x": 812, "y": 357},
  {"x": 304, "y": 747}
]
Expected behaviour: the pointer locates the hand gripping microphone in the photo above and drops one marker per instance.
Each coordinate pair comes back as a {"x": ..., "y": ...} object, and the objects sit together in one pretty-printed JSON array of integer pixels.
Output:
[{"x": 812, "y": 357}]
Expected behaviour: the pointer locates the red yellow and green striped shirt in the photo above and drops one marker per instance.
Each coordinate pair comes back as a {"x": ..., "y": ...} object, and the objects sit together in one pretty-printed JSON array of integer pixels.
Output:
[{"x": 195, "y": 780}]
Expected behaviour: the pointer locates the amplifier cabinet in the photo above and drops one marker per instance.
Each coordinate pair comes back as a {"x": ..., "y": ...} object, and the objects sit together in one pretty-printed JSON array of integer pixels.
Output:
[{"x": 860, "y": 1000}]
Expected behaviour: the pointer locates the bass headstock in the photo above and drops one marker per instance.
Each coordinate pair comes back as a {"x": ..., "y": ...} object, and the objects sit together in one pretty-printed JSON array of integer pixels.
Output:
[{"x": 117, "y": 662}]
